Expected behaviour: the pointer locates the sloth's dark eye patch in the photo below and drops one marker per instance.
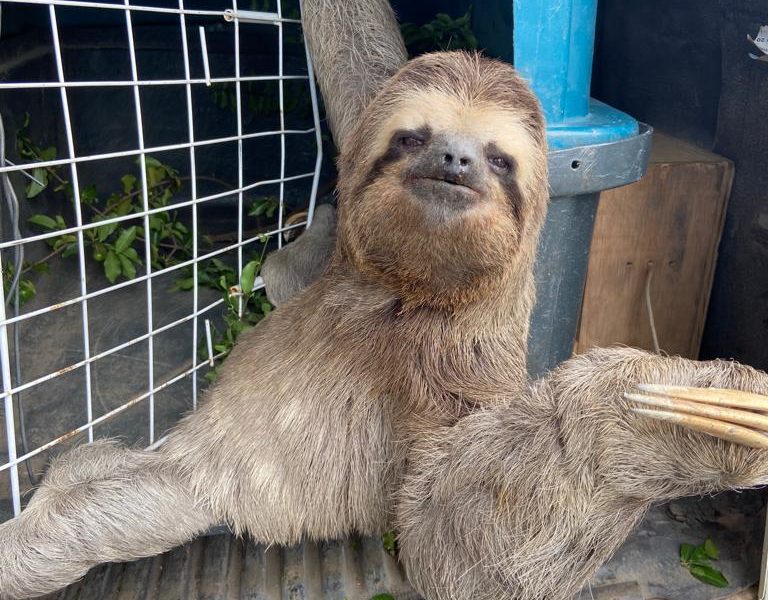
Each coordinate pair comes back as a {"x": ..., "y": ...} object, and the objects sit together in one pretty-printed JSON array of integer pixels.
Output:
[
  {"x": 500, "y": 163},
  {"x": 411, "y": 142},
  {"x": 407, "y": 139}
]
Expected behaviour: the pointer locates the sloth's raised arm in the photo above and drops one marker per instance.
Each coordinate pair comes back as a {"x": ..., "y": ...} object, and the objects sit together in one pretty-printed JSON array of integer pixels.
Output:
[{"x": 356, "y": 46}]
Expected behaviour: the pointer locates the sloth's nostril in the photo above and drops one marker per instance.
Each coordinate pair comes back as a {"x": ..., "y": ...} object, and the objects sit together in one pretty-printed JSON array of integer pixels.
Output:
[{"x": 447, "y": 159}]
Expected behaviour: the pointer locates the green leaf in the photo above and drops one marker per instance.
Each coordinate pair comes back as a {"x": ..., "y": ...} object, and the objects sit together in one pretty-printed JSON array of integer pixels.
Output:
[
  {"x": 128, "y": 181},
  {"x": 711, "y": 550},
  {"x": 127, "y": 267},
  {"x": 104, "y": 231},
  {"x": 389, "y": 540},
  {"x": 27, "y": 290},
  {"x": 126, "y": 239},
  {"x": 44, "y": 221},
  {"x": 709, "y": 575},
  {"x": 34, "y": 188},
  {"x": 48, "y": 154},
  {"x": 686, "y": 553},
  {"x": 219, "y": 264},
  {"x": 249, "y": 276},
  {"x": 88, "y": 194},
  {"x": 156, "y": 222},
  {"x": 699, "y": 555},
  {"x": 152, "y": 162},
  {"x": 266, "y": 308},
  {"x": 112, "y": 268},
  {"x": 132, "y": 255},
  {"x": 63, "y": 241},
  {"x": 185, "y": 284},
  {"x": 383, "y": 597},
  {"x": 70, "y": 250},
  {"x": 65, "y": 187},
  {"x": 257, "y": 209}
]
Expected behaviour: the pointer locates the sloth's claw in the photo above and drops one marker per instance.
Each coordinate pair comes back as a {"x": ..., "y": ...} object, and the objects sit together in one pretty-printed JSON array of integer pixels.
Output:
[
  {"x": 709, "y": 411},
  {"x": 717, "y": 396}
]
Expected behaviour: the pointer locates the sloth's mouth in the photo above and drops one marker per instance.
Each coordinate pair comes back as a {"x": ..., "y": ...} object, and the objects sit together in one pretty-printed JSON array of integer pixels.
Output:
[{"x": 449, "y": 184}]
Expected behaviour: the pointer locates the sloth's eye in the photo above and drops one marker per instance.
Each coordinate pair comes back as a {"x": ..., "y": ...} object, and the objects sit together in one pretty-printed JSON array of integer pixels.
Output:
[
  {"x": 500, "y": 163},
  {"x": 410, "y": 141}
]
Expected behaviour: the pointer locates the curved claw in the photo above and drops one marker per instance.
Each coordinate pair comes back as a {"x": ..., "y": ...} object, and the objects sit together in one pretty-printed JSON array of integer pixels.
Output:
[
  {"x": 739, "y": 417},
  {"x": 720, "y": 397},
  {"x": 708, "y": 410}
]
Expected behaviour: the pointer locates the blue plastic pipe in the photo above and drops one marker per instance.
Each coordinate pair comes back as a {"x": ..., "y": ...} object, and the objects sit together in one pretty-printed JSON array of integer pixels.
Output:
[{"x": 554, "y": 45}]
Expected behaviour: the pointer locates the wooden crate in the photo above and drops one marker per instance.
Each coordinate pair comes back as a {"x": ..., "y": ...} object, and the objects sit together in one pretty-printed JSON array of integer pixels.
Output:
[{"x": 669, "y": 224}]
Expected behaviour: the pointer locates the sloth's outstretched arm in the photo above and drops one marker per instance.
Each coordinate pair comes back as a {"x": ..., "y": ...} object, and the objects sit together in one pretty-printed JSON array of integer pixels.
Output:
[
  {"x": 526, "y": 500},
  {"x": 97, "y": 503},
  {"x": 658, "y": 429}
]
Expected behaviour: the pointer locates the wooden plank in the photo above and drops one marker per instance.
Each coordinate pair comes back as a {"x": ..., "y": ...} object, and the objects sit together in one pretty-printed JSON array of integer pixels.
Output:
[{"x": 668, "y": 224}]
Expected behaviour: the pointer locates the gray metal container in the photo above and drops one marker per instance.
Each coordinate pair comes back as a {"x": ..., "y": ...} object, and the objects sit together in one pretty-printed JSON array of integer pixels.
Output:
[{"x": 576, "y": 178}]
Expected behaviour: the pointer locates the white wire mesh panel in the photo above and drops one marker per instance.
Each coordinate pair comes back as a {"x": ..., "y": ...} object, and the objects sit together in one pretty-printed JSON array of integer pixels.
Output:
[{"x": 151, "y": 153}]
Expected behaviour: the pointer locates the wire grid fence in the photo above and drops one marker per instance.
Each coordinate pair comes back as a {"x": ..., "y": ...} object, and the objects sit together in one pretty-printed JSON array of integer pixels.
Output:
[{"x": 217, "y": 96}]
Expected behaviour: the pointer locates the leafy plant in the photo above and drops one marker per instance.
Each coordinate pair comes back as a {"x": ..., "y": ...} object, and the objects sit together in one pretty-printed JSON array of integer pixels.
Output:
[
  {"x": 27, "y": 289},
  {"x": 262, "y": 99},
  {"x": 117, "y": 247},
  {"x": 389, "y": 540},
  {"x": 244, "y": 306},
  {"x": 698, "y": 561},
  {"x": 383, "y": 597},
  {"x": 266, "y": 206},
  {"x": 442, "y": 33},
  {"x": 113, "y": 245}
]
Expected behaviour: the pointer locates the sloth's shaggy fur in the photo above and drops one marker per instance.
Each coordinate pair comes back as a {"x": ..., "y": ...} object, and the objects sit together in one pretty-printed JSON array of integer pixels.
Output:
[
  {"x": 421, "y": 318},
  {"x": 526, "y": 499}
]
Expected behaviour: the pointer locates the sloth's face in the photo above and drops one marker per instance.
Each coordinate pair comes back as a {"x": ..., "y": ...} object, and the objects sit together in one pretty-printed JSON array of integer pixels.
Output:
[
  {"x": 447, "y": 192},
  {"x": 454, "y": 159}
]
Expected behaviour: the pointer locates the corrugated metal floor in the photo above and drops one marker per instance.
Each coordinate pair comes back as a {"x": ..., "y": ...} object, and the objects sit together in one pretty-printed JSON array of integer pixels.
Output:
[{"x": 222, "y": 567}]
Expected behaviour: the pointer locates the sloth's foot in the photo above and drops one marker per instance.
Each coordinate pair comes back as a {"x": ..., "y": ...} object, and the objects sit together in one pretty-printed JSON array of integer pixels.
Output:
[{"x": 732, "y": 415}]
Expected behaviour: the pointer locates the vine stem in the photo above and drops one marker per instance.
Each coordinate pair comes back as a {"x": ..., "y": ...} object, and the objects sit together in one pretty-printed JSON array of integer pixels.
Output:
[{"x": 43, "y": 260}]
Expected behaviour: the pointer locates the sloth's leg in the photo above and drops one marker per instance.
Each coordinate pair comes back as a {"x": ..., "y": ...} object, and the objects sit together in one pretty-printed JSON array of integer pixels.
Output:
[{"x": 98, "y": 503}]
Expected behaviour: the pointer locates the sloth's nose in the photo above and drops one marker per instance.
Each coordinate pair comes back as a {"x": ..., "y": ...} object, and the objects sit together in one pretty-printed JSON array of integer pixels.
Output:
[
  {"x": 457, "y": 159},
  {"x": 452, "y": 162}
]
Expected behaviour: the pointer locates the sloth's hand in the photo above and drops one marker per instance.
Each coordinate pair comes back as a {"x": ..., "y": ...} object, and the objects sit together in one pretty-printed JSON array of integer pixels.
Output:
[{"x": 732, "y": 415}]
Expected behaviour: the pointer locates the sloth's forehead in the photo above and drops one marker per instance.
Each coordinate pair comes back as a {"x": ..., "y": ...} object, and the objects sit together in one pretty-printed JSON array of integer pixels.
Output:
[{"x": 478, "y": 119}]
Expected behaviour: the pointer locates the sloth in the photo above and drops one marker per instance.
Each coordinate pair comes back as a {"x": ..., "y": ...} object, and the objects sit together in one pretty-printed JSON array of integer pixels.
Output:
[
  {"x": 420, "y": 318},
  {"x": 393, "y": 390},
  {"x": 524, "y": 500}
]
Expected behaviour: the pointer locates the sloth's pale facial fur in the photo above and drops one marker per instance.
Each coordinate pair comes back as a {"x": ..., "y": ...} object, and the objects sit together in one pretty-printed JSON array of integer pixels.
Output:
[{"x": 445, "y": 178}]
